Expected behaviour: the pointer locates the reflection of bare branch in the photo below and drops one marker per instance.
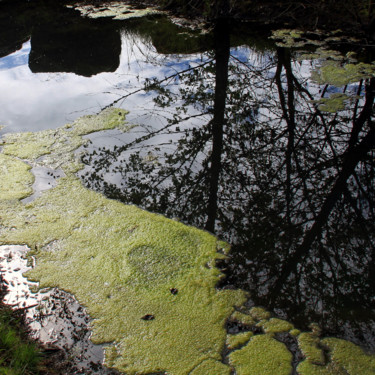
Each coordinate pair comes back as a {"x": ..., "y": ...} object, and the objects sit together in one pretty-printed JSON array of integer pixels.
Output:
[
  {"x": 352, "y": 157},
  {"x": 159, "y": 82}
]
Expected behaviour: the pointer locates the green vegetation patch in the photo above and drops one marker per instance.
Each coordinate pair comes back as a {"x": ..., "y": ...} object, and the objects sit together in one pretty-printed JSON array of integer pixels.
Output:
[
  {"x": 259, "y": 313},
  {"x": 275, "y": 325},
  {"x": 349, "y": 358},
  {"x": 18, "y": 181},
  {"x": 240, "y": 317},
  {"x": 234, "y": 341},
  {"x": 309, "y": 346},
  {"x": 211, "y": 367},
  {"x": 262, "y": 355},
  {"x": 142, "y": 277},
  {"x": 343, "y": 357}
]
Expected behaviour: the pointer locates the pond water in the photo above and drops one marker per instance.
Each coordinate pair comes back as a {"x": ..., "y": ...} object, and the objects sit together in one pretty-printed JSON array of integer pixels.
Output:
[{"x": 233, "y": 133}]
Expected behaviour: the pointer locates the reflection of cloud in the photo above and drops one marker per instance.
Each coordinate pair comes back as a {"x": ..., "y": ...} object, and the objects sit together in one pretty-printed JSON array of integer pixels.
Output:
[
  {"x": 17, "y": 58},
  {"x": 32, "y": 102}
]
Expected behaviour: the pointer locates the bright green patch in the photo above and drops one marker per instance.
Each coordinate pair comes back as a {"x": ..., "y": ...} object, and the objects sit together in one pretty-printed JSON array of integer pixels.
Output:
[
  {"x": 242, "y": 318},
  {"x": 261, "y": 356},
  {"x": 234, "y": 341},
  {"x": 308, "y": 368},
  {"x": 122, "y": 263},
  {"x": 15, "y": 179},
  {"x": 259, "y": 313},
  {"x": 309, "y": 346},
  {"x": 295, "y": 332},
  {"x": 275, "y": 325},
  {"x": 57, "y": 146},
  {"x": 211, "y": 367},
  {"x": 349, "y": 358}
]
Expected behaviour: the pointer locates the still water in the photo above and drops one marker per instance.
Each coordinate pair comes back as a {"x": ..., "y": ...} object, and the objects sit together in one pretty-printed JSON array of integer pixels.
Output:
[{"x": 233, "y": 134}]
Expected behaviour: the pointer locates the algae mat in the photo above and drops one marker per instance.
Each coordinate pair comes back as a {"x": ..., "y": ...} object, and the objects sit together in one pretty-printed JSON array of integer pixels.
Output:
[{"x": 147, "y": 282}]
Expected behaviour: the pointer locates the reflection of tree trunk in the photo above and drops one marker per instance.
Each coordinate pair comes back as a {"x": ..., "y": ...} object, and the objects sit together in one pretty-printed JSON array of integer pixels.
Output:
[
  {"x": 351, "y": 158},
  {"x": 284, "y": 60},
  {"x": 222, "y": 41}
]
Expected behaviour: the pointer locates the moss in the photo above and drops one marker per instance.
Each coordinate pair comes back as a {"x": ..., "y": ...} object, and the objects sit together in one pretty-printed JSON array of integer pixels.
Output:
[
  {"x": 242, "y": 318},
  {"x": 349, "y": 358},
  {"x": 15, "y": 178},
  {"x": 211, "y": 367},
  {"x": 295, "y": 332},
  {"x": 259, "y": 313},
  {"x": 234, "y": 341},
  {"x": 262, "y": 355},
  {"x": 275, "y": 325},
  {"x": 56, "y": 146},
  {"x": 309, "y": 346},
  {"x": 121, "y": 263},
  {"x": 344, "y": 357},
  {"x": 308, "y": 368},
  {"x": 122, "y": 275}
]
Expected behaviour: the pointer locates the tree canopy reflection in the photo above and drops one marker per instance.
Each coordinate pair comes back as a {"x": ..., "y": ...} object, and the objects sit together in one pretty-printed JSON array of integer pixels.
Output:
[{"x": 254, "y": 158}]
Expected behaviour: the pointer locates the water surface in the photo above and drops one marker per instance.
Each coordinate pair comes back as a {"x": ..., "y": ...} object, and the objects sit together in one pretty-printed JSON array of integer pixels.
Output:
[{"x": 231, "y": 136}]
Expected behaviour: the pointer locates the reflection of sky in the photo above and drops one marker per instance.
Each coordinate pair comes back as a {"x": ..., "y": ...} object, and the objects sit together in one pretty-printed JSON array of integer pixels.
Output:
[
  {"x": 35, "y": 101},
  {"x": 15, "y": 59}
]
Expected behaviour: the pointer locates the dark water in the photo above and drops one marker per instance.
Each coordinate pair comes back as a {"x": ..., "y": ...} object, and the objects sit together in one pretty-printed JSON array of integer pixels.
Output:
[{"x": 228, "y": 139}]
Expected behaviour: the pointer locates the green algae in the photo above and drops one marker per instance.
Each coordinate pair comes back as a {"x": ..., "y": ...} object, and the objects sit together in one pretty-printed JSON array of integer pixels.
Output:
[
  {"x": 262, "y": 355},
  {"x": 240, "y": 317},
  {"x": 349, "y": 358},
  {"x": 211, "y": 367},
  {"x": 57, "y": 146},
  {"x": 275, "y": 325},
  {"x": 94, "y": 262},
  {"x": 121, "y": 263},
  {"x": 15, "y": 178},
  {"x": 343, "y": 357},
  {"x": 234, "y": 341},
  {"x": 295, "y": 332},
  {"x": 259, "y": 313},
  {"x": 309, "y": 346}
]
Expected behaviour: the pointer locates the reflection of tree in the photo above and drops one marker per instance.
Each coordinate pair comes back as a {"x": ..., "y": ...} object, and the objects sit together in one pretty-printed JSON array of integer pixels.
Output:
[{"x": 291, "y": 187}]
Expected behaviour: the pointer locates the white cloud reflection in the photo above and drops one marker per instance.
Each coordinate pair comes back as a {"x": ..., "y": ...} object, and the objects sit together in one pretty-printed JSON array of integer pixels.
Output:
[{"x": 36, "y": 101}]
